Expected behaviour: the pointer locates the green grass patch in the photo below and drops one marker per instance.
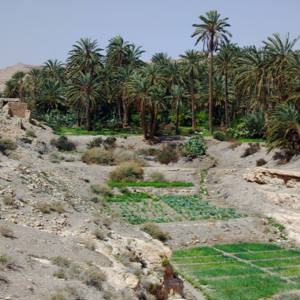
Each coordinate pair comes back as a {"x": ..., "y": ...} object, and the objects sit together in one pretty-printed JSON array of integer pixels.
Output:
[
  {"x": 287, "y": 272},
  {"x": 226, "y": 271},
  {"x": 203, "y": 259},
  {"x": 128, "y": 197},
  {"x": 268, "y": 255},
  {"x": 276, "y": 225},
  {"x": 198, "y": 251},
  {"x": 233, "y": 248},
  {"x": 162, "y": 184},
  {"x": 211, "y": 266},
  {"x": 277, "y": 263},
  {"x": 196, "y": 208},
  {"x": 246, "y": 288},
  {"x": 244, "y": 140},
  {"x": 245, "y": 247},
  {"x": 260, "y": 247}
]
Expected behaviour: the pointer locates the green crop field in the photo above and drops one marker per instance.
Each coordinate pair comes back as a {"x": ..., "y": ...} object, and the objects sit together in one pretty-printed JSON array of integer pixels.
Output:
[
  {"x": 226, "y": 272},
  {"x": 138, "y": 208}
]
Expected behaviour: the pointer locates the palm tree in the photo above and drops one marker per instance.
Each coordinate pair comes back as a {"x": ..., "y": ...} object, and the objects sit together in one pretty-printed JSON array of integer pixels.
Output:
[
  {"x": 18, "y": 80},
  {"x": 284, "y": 129},
  {"x": 10, "y": 89},
  {"x": 252, "y": 76},
  {"x": 191, "y": 67},
  {"x": 84, "y": 93},
  {"x": 279, "y": 51},
  {"x": 225, "y": 63},
  {"x": 116, "y": 51},
  {"x": 178, "y": 93},
  {"x": 52, "y": 95},
  {"x": 85, "y": 57},
  {"x": 54, "y": 69},
  {"x": 139, "y": 88},
  {"x": 211, "y": 32}
]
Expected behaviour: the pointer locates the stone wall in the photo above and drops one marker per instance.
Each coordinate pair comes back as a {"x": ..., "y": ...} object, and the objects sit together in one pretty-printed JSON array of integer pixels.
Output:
[{"x": 18, "y": 109}]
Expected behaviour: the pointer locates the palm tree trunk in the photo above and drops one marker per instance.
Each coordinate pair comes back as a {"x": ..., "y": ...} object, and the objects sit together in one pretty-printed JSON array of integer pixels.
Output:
[
  {"x": 143, "y": 122},
  {"x": 119, "y": 109},
  {"x": 177, "y": 117},
  {"x": 227, "y": 121},
  {"x": 193, "y": 102},
  {"x": 126, "y": 116},
  {"x": 211, "y": 51}
]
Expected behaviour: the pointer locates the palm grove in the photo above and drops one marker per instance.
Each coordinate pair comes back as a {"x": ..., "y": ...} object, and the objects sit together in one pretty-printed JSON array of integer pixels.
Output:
[{"x": 244, "y": 91}]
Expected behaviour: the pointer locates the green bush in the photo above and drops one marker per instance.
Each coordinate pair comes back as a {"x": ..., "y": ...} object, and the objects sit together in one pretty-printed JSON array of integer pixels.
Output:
[
  {"x": 96, "y": 142},
  {"x": 98, "y": 156},
  {"x": 7, "y": 144},
  {"x": 110, "y": 143},
  {"x": 30, "y": 133},
  {"x": 127, "y": 171},
  {"x": 62, "y": 143},
  {"x": 195, "y": 146},
  {"x": 220, "y": 136},
  {"x": 25, "y": 140},
  {"x": 261, "y": 162}
]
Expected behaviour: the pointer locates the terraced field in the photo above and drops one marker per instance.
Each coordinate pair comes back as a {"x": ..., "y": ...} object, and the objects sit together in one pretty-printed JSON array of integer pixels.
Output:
[
  {"x": 240, "y": 271},
  {"x": 138, "y": 208}
]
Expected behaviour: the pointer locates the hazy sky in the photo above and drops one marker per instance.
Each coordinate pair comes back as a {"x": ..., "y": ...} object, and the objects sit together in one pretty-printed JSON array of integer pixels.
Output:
[{"x": 33, "y": 31}]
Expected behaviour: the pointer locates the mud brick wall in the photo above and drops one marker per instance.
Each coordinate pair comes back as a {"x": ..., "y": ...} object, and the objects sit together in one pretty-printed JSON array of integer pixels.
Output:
[{"x": 18, "y": 109}]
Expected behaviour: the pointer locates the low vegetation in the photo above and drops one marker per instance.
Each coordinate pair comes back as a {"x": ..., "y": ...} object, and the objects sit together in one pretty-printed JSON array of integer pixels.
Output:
[
  {"x": 127, "y": 171},
  {"x": 63, "y": 143},
  {"x": 7, "y": 145}
]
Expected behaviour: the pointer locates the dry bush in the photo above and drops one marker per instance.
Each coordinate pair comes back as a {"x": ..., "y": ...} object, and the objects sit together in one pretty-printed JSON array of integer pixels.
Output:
[
  {"x": 98, "y": 156},
  {"x": 157, "y": 176},
  {"x": 261, "y": 162},
  {"x": 43, "y": 207},
  {"x": 6, "y": 145},
  {"x": 10, "y": 201},
  {"x": 101, "y": 188},
  {"x": 89, "y": 244},
  {"x": 121, "y": 155},
  {"x": 94, "y": 277},
  {"x": 6, "y": 231},
  {"x": 68, "y": 293},
  {"x": 155, "y": 232},
  {"x": 253, "y": 148},
  {"x": 99, "y": 234},
  {"x": 233, "y": 144},
  {"x": 6, "y": 262},
  {"x": 57, "y": 206},
  {"x": 61, "y": 273},
  {"x": 127, "y": 171},
  {"x": 61, "y": 261}
]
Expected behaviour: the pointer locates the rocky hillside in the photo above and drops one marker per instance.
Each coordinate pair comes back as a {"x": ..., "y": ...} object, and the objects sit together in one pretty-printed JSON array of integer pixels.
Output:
[
  {"x": 5, "y": 74},
  {"x": 55, "y": 243}
]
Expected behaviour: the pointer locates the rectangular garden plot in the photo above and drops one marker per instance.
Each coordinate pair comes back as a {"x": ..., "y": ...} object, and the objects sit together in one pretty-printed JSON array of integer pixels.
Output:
[{"x": 219, "y": 272}]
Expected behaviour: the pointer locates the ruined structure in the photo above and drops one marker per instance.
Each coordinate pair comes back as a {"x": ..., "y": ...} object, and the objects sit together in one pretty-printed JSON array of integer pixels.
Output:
[{"x": 12, "y": 107}]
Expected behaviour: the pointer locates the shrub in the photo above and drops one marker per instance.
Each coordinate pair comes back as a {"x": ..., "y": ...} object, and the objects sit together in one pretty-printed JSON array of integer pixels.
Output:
[
  {"x": 219, "y": 136},
  {"x": 57, "y": 206},
  {"x": 254, "y": 123},
  {"x": 6, "y": 231},
  {"x": 127, "y": 171},
  {"x": 261, "y": 162},
  {"x": 25, "y": 140},
  {"x": 10, "y": 201},
  {"x": 253, "y": 148},
  {"x": 110, "y": 142},
  {"x": 43, "y": 207},
  {"x": 157, "y": 176},
  {"x": 62, "y": 143},
  {"x": 195, "y": 146},
  {"x": 101, "y": 188},
  {"x": 61, "y": 261},
  {"x": 7, "y": 144},
  {"x": 30, "y": 133},
  {"x": 97, "y": 156},
  {"x": 6, "y": 262},
  {"x": 121, "y": 155},
  {"x": 96, "y": 142},
  {"x": 94, "y": 277},
  {"x": 168, "y": 154},
  {"x": 99, "y": 234},
  {"x": 155, "y": 232},
  {"x": 89, "y": 244}
]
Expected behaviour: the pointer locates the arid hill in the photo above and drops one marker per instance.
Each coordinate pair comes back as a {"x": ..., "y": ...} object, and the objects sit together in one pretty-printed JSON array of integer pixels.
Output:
[{"x": 5, "y": 74}]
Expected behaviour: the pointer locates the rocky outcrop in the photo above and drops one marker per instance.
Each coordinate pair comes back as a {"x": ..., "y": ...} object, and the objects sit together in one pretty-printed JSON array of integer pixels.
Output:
[{"x": 273, "y": 177}]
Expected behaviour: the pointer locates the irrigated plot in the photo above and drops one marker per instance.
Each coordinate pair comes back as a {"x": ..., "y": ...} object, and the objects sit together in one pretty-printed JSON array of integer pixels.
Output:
[{"x": 226, "y": 277}]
